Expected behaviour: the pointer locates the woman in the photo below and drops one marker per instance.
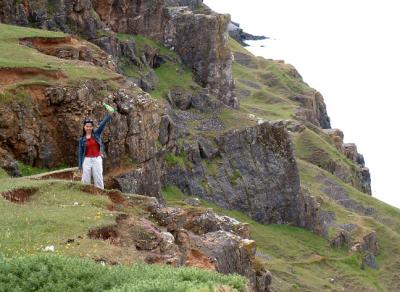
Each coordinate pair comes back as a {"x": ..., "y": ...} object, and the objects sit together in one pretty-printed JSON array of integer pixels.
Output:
[{"x": 90, "y": 150}]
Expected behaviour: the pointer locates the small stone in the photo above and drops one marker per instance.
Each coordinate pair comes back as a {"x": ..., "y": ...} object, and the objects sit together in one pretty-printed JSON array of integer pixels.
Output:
[
  {"x": 50, "y": 248},
  {"x": 192, "y": 201}
]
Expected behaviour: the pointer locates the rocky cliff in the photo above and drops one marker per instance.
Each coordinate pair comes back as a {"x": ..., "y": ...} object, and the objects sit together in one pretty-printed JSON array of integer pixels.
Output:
[
  {"x": 200, "y": 39},
  {"x": 271, "y": 157}
]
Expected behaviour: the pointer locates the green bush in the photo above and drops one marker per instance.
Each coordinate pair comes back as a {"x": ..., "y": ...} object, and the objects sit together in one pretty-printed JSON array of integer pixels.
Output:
[
  {"x": 58, "y": 273},
  {"x": 173, "y": 160}
]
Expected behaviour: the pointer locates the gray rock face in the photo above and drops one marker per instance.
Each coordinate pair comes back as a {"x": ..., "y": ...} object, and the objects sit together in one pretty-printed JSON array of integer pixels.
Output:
[
  {"x": 202, "y": 42},
  {"x": 240, "y": 36},
  {"x": 8, "y": 163},
  {"x": 340, "y": 195},
  {"x": 370, "y": 248},
  {"x": 313, "y": 109},
  {"x": 231, "y": 254},
  {"x": 369, "y": 260},
  {"x": 130, "y": 138},
  {"x": 363, "y": 174},
  {"x": 341, "y": 239},
  {"x": 192, "y": 4},
  {"x": 142, "y": 180},
  {"x": 360, "y": 178},
  {"x": 198, "y": 221},
  {"x": 251, "y": 170}
]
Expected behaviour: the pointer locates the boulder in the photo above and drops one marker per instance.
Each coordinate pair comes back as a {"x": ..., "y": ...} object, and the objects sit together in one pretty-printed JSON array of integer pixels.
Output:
[
  {"x": 8, "y": 163},
  {"x": 198, "y": 221},
  {"x": 179, "y": 99}
]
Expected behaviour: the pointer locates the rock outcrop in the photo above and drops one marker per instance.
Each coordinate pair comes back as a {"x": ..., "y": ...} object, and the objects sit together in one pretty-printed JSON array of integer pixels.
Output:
[
  {"x": 185, "y": 237},
  {"x": 37, "y": 133},
  {"x": 362, "y": 180},
  {"x": 240, "y": 36},
  {"x": 313, "y": 109},
  {"x": 251, "y": 170},
  {"x": 201, "y": 40}
]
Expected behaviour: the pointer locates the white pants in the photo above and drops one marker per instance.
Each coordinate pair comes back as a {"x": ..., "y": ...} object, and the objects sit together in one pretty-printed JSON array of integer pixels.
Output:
[{"x": 93, "y": 165}]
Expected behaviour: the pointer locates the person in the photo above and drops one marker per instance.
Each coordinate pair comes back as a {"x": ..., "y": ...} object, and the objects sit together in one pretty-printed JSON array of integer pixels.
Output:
[{"x": 91, "y": 150}]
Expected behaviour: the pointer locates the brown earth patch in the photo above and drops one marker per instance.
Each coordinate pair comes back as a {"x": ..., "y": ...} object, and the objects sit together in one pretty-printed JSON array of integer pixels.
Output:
[
  {"x": 19, "y": 195},
  {"x": 14, "y": 75},
  {"x": 115, "y": 196},
  {"x": 129, "y": 231},
  {"x": 49, "y": 41},
  {"x": 105, "y": 233},
  {"x": 71, "y": 49},
  {"x": 198, "y": 260},
  {"x": 66, "y": 175},
  {"x": 61, "y": 47}
]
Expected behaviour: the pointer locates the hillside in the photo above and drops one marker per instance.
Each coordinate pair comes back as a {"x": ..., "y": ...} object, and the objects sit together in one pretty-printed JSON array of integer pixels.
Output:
[{"x": 198, "y": 116}]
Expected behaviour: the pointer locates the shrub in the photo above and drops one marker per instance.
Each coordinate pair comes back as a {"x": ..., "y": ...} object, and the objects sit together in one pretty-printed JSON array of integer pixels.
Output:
[{"x": 59, "y": 273}]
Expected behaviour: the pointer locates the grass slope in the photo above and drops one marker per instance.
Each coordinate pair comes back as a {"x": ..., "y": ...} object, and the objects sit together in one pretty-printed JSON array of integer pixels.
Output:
[
  {"x": 14, "y": 55},
  {"x": 59, "y": 212},
  {"x": 60, "y": 273},
  {"x": 299, "y": 259}
]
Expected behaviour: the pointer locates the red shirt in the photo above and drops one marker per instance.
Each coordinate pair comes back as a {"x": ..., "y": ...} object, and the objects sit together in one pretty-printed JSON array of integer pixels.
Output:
[{"x": 92, "y": 148}]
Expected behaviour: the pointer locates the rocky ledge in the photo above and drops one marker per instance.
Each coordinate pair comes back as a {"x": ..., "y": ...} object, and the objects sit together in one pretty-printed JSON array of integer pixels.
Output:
[{"x": 192, "y": 236}]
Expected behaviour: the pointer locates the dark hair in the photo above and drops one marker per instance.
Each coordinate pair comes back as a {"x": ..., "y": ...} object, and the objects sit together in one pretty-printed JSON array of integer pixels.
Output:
[{"x": 86, "y": 121}]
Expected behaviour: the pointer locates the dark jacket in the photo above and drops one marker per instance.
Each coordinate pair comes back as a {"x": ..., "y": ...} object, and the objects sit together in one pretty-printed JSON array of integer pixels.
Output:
[{"x": 97, "y": 136}]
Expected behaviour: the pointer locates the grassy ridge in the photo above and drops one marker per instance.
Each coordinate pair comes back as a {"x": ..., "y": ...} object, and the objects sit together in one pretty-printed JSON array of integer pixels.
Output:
[
  {"x": 60, "y": 214},
  {"x": 299, "y": 259},
  {"x": 50, "y": 218},
  {"x": 14, "y": 55}
]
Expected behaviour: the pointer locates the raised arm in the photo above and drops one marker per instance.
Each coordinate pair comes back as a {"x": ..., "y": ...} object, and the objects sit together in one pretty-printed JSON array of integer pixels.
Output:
[{"x": 102, "y": 124}]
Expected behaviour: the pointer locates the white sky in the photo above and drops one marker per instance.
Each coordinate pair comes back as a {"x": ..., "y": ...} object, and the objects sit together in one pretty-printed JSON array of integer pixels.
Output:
[{"x": 350, "y": 52}]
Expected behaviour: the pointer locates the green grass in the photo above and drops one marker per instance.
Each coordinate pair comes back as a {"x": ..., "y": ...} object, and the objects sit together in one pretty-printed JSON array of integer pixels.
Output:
[
  {"x": 269, "y": 86},
  {"x": 173, "y": 160},
  {"x": 59, "y": 273},
  {"x": 59, "y": 212},
  {"x": 27, "y": 170},
  {"x": 314, "y": 148},
  {"x": 49, "y": 217},
  {"x": 311, "y": 178},
  {"x": 19, "y": 95},
  {"x": 173, "y": 76},
  {"x": 385, "y": 221},
  {"x": 307, "y": 143},
  {"x": 3, "y": 174},
  {"x": 235, "y": 119},
  {"x": 298, "y": 258},
  {"x": 14, "y": 55},
  {"x": 142, "y": 41},
  {"x": 235, "y": 177}
]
